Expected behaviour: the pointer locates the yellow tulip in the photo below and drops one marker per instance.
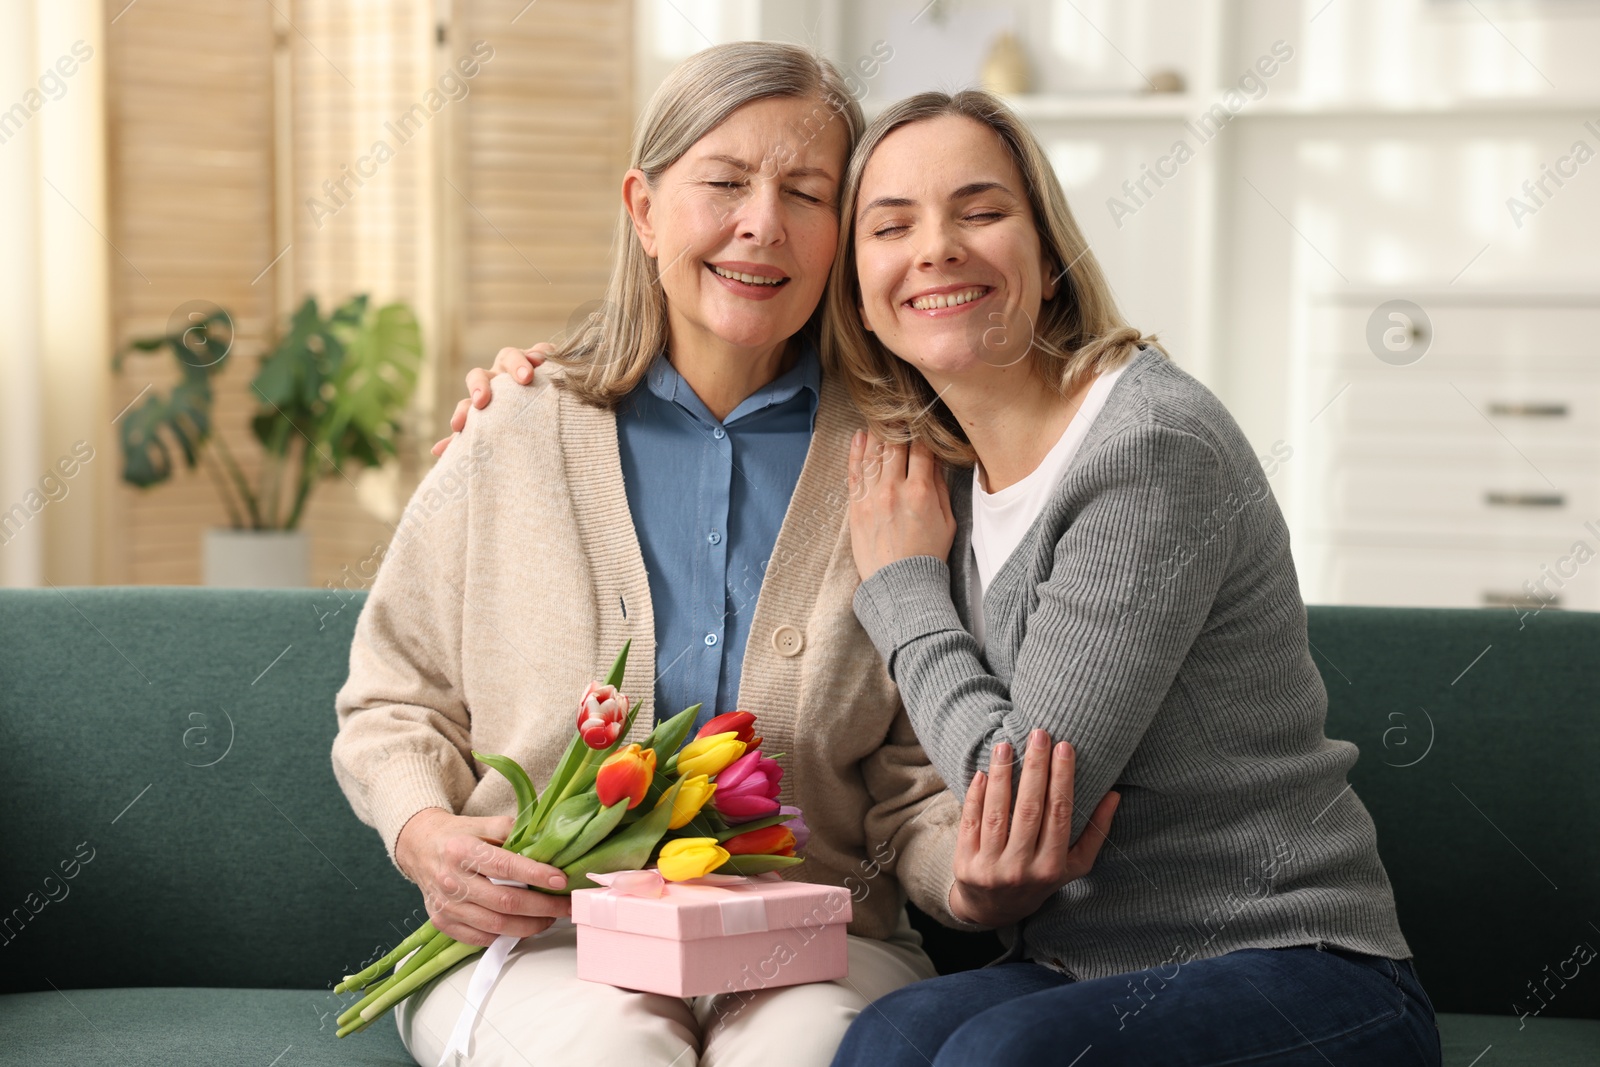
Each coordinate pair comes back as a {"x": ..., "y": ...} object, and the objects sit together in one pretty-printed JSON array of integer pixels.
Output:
[
  {"x": 692, "y": 796},
  {"x": 709, "y": 755},
  {"x": 690, "y": 857}
]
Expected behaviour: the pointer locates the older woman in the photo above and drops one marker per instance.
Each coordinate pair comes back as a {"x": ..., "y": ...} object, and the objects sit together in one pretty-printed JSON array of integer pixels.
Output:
[
  {"x": 1118, "y": 574},
  {"x": 676, "y": 479}
]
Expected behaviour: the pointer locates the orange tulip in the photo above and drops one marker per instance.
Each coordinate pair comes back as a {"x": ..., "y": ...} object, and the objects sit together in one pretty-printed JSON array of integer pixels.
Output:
[
  {"x": 627, "y": 772},
  {"x": 770, "y": 841}
]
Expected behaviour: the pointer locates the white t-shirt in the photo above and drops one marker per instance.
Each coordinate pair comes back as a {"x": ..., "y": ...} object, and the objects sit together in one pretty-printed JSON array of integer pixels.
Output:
[{"x": 1001, "y": 520}]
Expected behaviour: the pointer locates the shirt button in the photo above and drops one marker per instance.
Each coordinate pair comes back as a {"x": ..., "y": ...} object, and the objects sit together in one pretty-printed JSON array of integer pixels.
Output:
[
  {"x": 788, "y": 641},
  {"x": 711, "y": 640},
  {"x": 714, "y": 537},
  {"x": 719, "y": 433}
]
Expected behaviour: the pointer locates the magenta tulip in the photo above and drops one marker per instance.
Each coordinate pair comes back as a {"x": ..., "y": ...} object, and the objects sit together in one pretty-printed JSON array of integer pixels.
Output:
[{"x": 748, "y": 788}]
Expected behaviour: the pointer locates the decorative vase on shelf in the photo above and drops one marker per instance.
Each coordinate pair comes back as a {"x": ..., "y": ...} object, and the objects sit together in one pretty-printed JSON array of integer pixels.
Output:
[
  {"x": 257, "y": 559},
  {"x": 1005, "y": 68},
  {"x": 1166, "y": 81}
]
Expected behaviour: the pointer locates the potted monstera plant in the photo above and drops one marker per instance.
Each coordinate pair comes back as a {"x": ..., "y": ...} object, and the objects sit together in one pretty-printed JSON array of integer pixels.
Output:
[{"x": 329, "y": 396}]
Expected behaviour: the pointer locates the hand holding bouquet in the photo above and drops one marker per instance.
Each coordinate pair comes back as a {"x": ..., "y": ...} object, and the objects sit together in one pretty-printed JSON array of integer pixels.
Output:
[{"x": 710, "y": 805}]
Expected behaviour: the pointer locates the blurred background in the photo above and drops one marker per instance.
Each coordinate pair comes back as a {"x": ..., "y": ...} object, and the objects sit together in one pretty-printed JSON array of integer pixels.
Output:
[{"x": 270, "y": 236}]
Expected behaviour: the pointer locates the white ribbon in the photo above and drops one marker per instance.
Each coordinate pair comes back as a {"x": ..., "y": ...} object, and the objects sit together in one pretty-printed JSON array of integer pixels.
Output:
[{"x": 483, "y": 979}]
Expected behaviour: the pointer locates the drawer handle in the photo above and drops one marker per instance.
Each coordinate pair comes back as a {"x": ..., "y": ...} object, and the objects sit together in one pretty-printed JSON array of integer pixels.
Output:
[
  {"x": 1525, "y": 500},
  {"x": 1493, "y": 599},
  {"x": 1529, "y": 411}
]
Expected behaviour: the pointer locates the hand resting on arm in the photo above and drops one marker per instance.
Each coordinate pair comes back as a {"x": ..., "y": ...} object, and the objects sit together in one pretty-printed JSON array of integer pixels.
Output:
[
  {"x": 1010, "y": 861},
  {"x": 517, "y": 362}
]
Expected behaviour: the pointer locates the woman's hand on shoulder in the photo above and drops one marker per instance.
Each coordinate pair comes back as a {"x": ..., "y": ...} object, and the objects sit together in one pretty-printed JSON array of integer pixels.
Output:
[
  {"x": 451, "y": 859},
  {"x": 1009, "y": 863},
  {"x": 899, "y": 504},
  {"x": 517, "y": 362}
]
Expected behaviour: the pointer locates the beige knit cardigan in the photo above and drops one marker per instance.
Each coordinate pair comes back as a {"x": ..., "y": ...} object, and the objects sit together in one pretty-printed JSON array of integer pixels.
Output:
[{"x": 515, "y": 576}]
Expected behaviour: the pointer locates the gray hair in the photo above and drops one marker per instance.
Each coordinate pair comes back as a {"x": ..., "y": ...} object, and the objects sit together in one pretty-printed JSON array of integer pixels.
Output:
[{"x": 609, "y": 355}]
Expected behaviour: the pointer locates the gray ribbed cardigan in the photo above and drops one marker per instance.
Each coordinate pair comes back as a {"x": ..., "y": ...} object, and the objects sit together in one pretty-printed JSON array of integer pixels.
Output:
[{"x": 1151, "y": 616}]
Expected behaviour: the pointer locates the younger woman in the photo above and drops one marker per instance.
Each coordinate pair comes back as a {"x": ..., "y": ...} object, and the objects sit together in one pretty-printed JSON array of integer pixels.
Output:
[{"x": 1119, "y": 574}]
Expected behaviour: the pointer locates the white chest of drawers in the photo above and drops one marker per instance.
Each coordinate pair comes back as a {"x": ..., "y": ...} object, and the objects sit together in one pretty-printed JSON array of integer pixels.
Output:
[{"x": 1469, "y": 477}]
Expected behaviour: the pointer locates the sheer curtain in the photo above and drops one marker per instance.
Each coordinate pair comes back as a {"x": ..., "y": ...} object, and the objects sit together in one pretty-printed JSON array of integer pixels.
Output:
[{"x": 54, "y": 317}]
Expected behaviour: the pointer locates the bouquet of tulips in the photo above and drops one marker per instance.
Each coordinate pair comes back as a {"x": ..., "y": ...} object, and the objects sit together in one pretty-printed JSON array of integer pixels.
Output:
[{"x": 688, "y": 809}]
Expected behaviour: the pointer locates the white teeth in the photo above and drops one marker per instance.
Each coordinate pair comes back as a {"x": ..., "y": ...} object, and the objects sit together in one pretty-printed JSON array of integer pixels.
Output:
[
  {"x": 947, "y": 300},
  {"x": 748, "y": 279}
]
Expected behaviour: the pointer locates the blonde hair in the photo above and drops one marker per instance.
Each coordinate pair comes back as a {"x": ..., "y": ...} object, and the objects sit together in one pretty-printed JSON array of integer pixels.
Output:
[
  {"x": 1079, "y": 333},
  {"x": 608, "y": 356}
]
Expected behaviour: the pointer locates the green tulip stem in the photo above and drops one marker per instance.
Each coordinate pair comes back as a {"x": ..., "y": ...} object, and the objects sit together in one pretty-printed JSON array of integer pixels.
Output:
[
  {"x": 419, "y": 937},
  {"x": 452, "y": 955},
  {"x": 422, "y": 956},
  {"x": 571, "y": 785}
]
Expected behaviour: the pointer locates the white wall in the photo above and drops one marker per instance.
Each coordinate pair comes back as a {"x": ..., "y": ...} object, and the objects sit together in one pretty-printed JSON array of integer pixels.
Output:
[{"x": 1376, "y": 162}]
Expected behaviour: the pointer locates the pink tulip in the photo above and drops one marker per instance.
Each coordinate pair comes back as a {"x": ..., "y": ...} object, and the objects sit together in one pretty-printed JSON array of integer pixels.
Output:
[
  {"x": 602, "y": 711},
  {"x": 748, "y": 788}
]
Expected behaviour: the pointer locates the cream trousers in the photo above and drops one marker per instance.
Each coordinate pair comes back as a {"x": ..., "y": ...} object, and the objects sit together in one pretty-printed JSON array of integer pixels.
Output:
[{"x": 540, "y": 1014}]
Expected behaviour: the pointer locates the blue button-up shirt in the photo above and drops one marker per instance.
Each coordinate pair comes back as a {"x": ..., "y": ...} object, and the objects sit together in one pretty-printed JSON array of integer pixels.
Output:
[{"x": 707, "y": 499}]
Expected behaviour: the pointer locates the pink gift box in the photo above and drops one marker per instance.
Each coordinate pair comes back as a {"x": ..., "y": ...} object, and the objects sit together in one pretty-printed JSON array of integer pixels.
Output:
[{"x": 697, "y": 938}]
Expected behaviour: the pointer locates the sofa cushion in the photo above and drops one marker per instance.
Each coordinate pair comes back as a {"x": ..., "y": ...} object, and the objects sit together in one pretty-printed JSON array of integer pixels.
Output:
[
  {"x": 169, "y": 749},
  {"x": 185, "y": 1027},
  {"x": 1478, "y": 739},
  {"x": 1541, "y": 1043}
]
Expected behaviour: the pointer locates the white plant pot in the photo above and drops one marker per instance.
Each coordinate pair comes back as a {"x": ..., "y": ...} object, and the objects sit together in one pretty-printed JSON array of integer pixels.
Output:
[{"x": 257, "y": 559}]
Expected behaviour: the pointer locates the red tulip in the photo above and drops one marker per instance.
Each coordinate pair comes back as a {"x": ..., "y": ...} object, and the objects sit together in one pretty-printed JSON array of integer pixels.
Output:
[
  {"x": 627, "y": 772},
  {"x": 748, "y": 788},
  {"x": 602, "y": 711},
  {"x": 742, "y": 723},
  {"x": 771, "y": 841}
]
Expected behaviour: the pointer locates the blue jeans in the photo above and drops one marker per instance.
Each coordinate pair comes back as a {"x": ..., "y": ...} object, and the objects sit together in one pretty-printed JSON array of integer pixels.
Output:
[{"x": 1285, "y": 1006}]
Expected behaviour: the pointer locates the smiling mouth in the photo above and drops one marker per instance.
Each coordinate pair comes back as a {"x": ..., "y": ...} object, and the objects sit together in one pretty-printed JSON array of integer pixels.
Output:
[
  {"x": 748, "y": 279},
  {"x": 935, "y": 301}
]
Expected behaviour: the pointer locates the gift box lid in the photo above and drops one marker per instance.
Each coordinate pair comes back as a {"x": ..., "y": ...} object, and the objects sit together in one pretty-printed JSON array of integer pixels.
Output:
[{"x": 690, "y": 911}]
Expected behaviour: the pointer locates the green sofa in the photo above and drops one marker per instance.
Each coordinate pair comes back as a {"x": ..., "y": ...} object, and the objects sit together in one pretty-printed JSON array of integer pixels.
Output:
[{"x": 181, "y": 878}]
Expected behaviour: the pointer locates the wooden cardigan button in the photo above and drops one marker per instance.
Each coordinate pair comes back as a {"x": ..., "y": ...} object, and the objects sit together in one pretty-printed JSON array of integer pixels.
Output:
[{"x": 788, "y": 641}]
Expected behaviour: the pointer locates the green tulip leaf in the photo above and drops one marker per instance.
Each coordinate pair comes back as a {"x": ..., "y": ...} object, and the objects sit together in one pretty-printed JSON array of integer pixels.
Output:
[
  {"x": 614, "y": 677},
  {"x": 749, "y": 865},
  {"x": 625, "y": 851},
  {"x": 754, "y": 824},
  {"x": 522, "y": 785},
  {"x": 567, "y": 820},
  {"x": 594, "y": 832},
  {"x": 668, "y": 736}
]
